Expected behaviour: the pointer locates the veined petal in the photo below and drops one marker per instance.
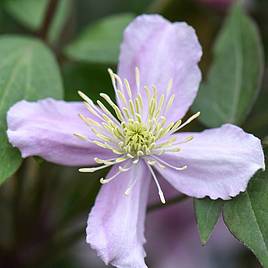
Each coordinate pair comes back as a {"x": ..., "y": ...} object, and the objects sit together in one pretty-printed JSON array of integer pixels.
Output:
[
  {"x": 220, "y": 162},
  {"x": 162, "y": 51},
  {"x": 116, "y": 223},
  {"x": 46, "y": 128}
]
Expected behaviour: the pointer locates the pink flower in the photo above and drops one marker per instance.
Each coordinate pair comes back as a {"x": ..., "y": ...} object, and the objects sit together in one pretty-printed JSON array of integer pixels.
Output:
[{"x": 159, "y": 65}]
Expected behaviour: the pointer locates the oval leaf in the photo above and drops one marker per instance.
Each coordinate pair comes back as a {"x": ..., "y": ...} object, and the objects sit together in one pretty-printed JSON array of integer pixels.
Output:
[
  {"x": 28, "y": 71},
  {"x": 100, "y": 43},
  {"x": 235, "y": 75},
  {"x": 207, "y": 213},
  {"x": 247, "y": 217}
]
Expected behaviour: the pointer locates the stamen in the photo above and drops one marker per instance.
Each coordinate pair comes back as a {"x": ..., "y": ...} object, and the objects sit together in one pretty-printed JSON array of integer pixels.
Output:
[
  {"x": 167, "y": 164},
  {"x": 120, "y": 170},
  {"x": 119, "y": 81},
  {"x": 147, "y": 90},
  {"x": 80, "y": 136},
  {"x": 107, "y": 112},
  {"x": 103, "y": 161},
  {"x": 189, "y": 120},
  {"x": 131, "y": 106},
  {"x": 123, "y": 169},
  {"x": 134, "y": 132},
  {"x": 166, "y": 143},
  {"x": 169, "y": 87},
  {"x": 84, "y": 97},
  {"x": 89, "y": 121},
  {"x": 125, "y": 110},
  {"x": 132, "y": 183},
  {"x": 160, "y": 192},
  {"x": 140, "y": 101},
  {"x": 112, "y": 78},
  {"x": 93, "y": 169},
  {"x": 160, "y": 104},
  {"x": 187, "y": 139},
  {"x": 151, "y": 162},
  {"x": 170, "y": 102},
  {"x": 128, "y": 88},
  {"x": 105, "y": 181},
  {"x": 137, "y": 72},
  {"x": 122, "y": 96},
  {"x": 92, "y": 110},
  {"x": 136, "y": 160}
]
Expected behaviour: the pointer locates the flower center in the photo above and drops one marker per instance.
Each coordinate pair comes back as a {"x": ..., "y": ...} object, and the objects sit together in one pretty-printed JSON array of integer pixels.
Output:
[
  {"x": 139, "y": 140},
  {"x": 140, "y": 129}
]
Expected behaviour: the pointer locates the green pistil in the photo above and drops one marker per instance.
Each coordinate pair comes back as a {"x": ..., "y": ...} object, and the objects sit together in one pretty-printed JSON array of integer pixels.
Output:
[{"x": 138, "y": 139}]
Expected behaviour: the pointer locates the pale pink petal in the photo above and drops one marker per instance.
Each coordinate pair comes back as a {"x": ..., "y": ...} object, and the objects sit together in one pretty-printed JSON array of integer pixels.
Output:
[
  {"x": 116, "y": 223},
  {"x": 162, "y": 50},
  {"x": 220, "y": 162},
  {"x": 46, "y": 128}
]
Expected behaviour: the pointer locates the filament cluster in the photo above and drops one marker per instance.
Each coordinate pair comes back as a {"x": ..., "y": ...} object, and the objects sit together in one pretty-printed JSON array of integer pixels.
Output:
[{"x": 137, "y": 128}]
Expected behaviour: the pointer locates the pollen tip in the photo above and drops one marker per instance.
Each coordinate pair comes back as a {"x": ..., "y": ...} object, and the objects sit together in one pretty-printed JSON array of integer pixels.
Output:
[
  {"x": 162, "y": 198},
  {"x": 80, "y": 93},
  {"x": 103, "y": 181},
  {"x": 83, "y": 170},
  {"x": 135, "y": 161},
  {"x": 184, "y": 167}
]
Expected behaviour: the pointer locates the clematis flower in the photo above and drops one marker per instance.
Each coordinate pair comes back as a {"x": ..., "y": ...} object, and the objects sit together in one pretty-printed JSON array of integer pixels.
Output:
[{"x": 158, "y": 78}]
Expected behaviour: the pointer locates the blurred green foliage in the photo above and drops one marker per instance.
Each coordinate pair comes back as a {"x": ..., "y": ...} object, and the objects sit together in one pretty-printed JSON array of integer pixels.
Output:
[
  {"x": 228, "y": 96},
  {"x": 23, "y": 77}
]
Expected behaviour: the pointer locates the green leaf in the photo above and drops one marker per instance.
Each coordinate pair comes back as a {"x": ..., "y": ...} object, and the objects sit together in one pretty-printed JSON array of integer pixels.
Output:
[
  {"x": 247, "y": 217},
  {"x": 207, "y": 212},
  {"x": 91, "y": 79},
  {"x": 235, "y": 75},
  {"x": 28, "y": 71},
  {"x": 28, "y": 12},
  {"x": 31, "y": 14},
  {"x": 63, "y": 10},
  {"x": 99, "y": 43}
]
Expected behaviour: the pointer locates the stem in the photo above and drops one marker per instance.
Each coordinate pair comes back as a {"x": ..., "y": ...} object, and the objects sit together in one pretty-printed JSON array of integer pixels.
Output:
[
  {"x": 48, "y": 18},
  {"x": 169, "y": 202},
  {"x": 159, "y": 6}
]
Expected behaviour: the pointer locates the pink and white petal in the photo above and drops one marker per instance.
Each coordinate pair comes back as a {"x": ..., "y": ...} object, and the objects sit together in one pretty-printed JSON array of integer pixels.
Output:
[
  {"x": 162, "y": 50},
  {"x": 220, "y": 162},
  {"x": 46, "y": 128},
  {"x": 116, "y": 223}
]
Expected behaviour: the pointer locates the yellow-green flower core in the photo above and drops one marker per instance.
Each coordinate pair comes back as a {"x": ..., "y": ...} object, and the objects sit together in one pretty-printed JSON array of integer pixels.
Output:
[{"x": 140, "y": 128}]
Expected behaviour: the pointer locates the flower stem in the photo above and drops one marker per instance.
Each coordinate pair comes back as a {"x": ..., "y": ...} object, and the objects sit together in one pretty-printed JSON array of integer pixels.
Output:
[
  {"x": 48, "y": 18},
  {"x": 169, "y": 202}
]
